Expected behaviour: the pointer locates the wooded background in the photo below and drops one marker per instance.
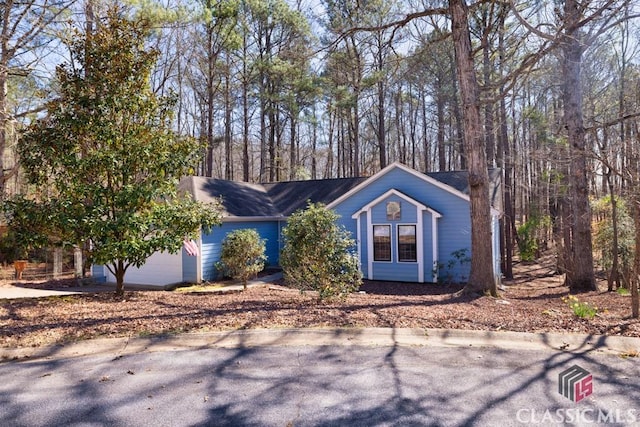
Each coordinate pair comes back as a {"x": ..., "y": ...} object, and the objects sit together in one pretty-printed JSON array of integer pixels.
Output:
[{"x": 287, "y": 90}]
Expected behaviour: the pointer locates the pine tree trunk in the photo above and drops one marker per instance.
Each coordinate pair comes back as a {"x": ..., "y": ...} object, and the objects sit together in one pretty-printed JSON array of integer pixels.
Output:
[
  {"x": 614, "y": 274},
  {"x": 481, "y": 279},
  {"x": 505, "y": 161},
  {"x": 580, "y": 278},
  {"x": 633, "y": 283},
  {"x": 4, "y": 122},
  {"x": 245, "y": 113},
  {"x": 228, "y": 151}
]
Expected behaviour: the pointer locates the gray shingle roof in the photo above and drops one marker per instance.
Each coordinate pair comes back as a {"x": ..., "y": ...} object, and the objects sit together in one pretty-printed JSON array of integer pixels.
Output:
[
  {"x": 242, "y": 199},
  {"x": 281, "y": 199},
  {"x": 460, "y": 181}
]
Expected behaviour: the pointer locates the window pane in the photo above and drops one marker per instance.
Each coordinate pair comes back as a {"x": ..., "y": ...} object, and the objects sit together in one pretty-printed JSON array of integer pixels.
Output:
[
  {"x": 382, "y": 243},
  {"x": 407, "y": 249}
]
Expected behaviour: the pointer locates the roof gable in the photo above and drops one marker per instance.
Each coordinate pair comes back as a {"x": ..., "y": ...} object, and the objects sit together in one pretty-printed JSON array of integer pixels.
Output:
[
  {"x": 401, "y": 195},
  {"x": 455, "y": 183},
  {"x": 394, "y": 166},
  {"x": 281, "y": 199}
]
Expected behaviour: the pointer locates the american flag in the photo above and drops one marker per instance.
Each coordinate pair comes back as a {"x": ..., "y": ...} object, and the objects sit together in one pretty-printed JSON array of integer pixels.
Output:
[{"x": 190, "y": 247}]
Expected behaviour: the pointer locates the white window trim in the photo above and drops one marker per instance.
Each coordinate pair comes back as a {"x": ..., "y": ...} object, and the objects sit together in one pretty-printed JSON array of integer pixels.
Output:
[
  {"x": 434, "y": 247},
  {"x": 420, "y": 209},
  {"x": 390, "y": 242},
  {"x": 415, "y": 225}
]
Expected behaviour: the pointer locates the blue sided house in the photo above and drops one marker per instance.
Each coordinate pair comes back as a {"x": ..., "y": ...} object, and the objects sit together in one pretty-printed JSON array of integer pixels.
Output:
[{"x": 409, "y": 226}]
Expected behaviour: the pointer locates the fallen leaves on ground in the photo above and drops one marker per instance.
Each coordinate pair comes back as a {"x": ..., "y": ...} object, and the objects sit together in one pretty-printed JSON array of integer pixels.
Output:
[{"x": 532, "y": 302}]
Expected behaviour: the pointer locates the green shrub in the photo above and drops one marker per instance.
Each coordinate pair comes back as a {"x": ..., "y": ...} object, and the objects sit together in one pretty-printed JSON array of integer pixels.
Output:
[
  {"x": 528, "y": 236},
  {"x": 603, "y": 234},
  {"x": 243, "y": 255},
  {"x": 318, "y": 254}
]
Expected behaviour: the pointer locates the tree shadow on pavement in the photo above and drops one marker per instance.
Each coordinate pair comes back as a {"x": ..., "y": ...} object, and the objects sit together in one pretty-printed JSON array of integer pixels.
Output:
[{"x": 279, "y": 384}]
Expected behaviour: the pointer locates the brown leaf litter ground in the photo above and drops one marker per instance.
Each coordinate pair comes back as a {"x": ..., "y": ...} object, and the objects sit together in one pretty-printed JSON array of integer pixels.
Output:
[{"x": 531, "y": 302}]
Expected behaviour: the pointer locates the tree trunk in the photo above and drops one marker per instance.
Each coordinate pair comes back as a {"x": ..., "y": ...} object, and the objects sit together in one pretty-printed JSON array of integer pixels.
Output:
[
  {"x": 580, "y": 278},
  {"x": 481, "y": 278},
  {"x": 119, "y": 270},
  {"x": 505, "y": 161},
  {"x": 633, "y": 283},
  {"x": 354, "y": 123},
  {"x": 263, "y": 136},
  {"x": 57, "y": 262},
  {"x": 210, "y": 100},
  {"x": 332, "y": 124},
  {"x": 245, "y": 113},
  {"x": 78, "y": 262},
  {"x": 614, "y": 274},
  {"x": 4, "y": 123},
  {"x": 314, "y": 145},
  {"x": 440, "y": 117},
  {"x": 382, "y": 133},
  {"x": 459, "y": 120},
  {"x": 228, "y": 152},
  {"x": 487, "y": 69},
  {"x": 293, "y": 152}
]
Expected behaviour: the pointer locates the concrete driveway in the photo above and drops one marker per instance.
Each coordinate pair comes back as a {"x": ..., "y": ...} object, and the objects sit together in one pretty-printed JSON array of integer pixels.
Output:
[{"x": 23, "y": 290}]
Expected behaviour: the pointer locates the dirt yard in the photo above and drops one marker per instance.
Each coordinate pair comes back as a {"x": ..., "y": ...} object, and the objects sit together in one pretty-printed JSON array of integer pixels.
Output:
[{"x": 534, "y": 301}]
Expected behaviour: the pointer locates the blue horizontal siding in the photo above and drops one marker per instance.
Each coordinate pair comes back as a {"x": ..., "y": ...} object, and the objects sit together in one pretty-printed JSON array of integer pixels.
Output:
[
  {"x": 454, "y": 227},
  {"x": 408, "y": 212},
  {"x": 397, "y": 272},
  {"x": 212, "y": 244}
]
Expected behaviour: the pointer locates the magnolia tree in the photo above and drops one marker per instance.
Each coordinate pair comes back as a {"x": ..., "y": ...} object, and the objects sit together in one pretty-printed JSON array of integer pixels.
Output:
[
  {"x": 317, "y": 254},
  {"x": 243, "y": 255},
  {"x": 104, "y": 161}
]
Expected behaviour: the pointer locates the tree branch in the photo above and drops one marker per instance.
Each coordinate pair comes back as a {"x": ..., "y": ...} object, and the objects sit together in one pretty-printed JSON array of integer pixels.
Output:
[{"x": 613, "y": 122}]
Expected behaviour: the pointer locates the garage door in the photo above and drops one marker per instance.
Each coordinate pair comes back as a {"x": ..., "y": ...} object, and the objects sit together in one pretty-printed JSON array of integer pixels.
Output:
[{"x": 161, "y": 269}]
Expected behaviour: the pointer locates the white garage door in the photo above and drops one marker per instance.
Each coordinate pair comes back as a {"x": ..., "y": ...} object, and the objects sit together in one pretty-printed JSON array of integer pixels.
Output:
[{"x": 161, "y": 269}]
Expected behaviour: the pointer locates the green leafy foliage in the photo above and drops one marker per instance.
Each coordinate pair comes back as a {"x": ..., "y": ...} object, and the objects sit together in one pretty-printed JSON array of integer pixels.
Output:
[
  {"x": 582, "y": 309},
  {"x": 104, "y": 161},
  {"x": 527, "y": 234},
  {"x": 318, "y": 254},
  {"x": 243, "y": 255},
  {"x": 603, "y": 234},
  {"x": 29, "y": 225},
  {"x": 447, "y": 272}
]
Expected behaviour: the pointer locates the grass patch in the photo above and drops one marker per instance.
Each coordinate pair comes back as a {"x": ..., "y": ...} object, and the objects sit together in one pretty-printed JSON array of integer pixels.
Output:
[
  {"x": 207, "y": 287},
  {"x": 582, "y": 309}
]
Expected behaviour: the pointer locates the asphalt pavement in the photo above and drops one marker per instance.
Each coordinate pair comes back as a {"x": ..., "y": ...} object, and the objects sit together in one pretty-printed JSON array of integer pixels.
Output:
[
  {"x": 321, "y": 377},
  {"x": 373, "y": 378}
]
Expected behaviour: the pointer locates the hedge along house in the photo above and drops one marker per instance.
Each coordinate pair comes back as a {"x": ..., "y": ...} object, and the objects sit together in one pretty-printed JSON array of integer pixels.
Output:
[{"x": 408, "y": 226}]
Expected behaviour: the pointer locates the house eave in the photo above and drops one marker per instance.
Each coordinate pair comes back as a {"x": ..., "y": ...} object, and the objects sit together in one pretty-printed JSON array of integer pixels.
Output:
[
  {"x": 397, "y": 165},
  {"x": 253, "y": 218}
]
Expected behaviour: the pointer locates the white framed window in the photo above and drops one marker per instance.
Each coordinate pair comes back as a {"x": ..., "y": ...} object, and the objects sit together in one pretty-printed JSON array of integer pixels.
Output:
[
  {"x": 407, "y": 243},
  {"x": 382, "y": 243}
]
